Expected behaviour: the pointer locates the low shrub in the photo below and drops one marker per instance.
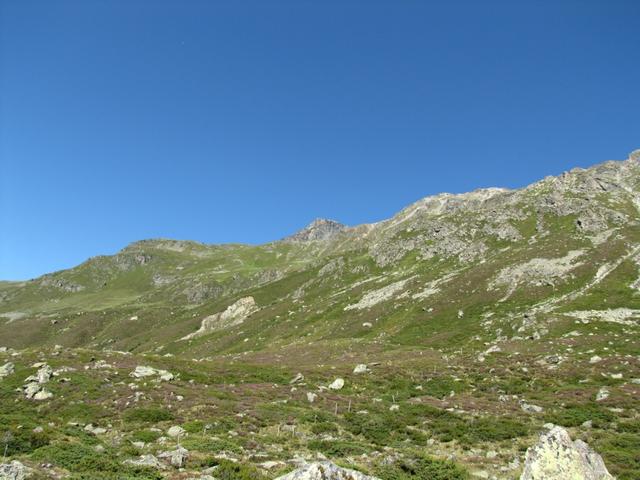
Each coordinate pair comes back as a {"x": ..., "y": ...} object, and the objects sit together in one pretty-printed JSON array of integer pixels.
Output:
[
  {"x": 422, "y": 468},
  {"x": 337, "y": 448},
  {"x": 148, "y": 415}
]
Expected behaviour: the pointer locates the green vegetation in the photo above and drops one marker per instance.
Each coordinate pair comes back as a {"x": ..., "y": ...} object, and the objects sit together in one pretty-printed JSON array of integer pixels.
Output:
[
  {"x": 422, "y": 468},
  {"x": 148, "y": 415}
]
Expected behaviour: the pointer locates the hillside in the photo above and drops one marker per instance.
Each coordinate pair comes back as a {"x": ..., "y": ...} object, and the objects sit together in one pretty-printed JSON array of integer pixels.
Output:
[{"x": 476, "y": 319}]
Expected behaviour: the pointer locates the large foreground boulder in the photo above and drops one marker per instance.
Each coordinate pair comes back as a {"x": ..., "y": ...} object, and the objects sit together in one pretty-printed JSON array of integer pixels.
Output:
[
  {"x": 557, "y": 457},
  {"x": 325, "y": 471}
]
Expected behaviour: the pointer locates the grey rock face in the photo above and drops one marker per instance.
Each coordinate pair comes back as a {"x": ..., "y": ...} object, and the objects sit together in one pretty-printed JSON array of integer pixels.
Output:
[
  {"x": 33, "y": 387},
  {"x": 176, "y": 458},
  {"x": 14, "y": 471},
  {"x": 325, "y": 471},
  {"x": 146, "y": 461},
  {"x": 556, "y": 457},
  {"x": 143, "y": 371},
  {"x": 319, "y": 229},
  {"x": 234, "y": 314},
  {"x": 60, "y": 283},
  {"x": 6, "y": 369}
]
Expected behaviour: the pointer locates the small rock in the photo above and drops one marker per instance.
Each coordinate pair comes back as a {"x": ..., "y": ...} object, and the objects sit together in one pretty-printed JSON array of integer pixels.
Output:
[
  {"x": 602, "y": 394},
  {"x": 95, "y": 430},
  {"x": 530, "y": 408},
  {"x": 176, "y": 431},
  {"x": 337, "y": 384},
  {"x": 361, "y": 368}
]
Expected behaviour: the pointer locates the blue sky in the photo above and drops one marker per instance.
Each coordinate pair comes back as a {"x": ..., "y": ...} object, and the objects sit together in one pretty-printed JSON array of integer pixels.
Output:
[{"x": 224, "y": 121}]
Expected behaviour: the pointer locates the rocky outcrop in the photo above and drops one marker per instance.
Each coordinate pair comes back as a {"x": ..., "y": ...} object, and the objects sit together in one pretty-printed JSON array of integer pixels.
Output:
[
  {"x": 557, "y": 457},
  {"x": 59, "y": 283},
  {"x": 34, "y": 384},
  {"x": 6, "y": 369},
  {"x": 176, "y": 458},
  {"x": 235, "y": 314},
  {"x": 325, "y": 471},
  {"x": 537, "y": 271},
  {"x": 14, "y": 471},
  {"x": 319, "y": 229},
  {"x": 379, "y": 295},
  {"x": 146, "y": 461}
]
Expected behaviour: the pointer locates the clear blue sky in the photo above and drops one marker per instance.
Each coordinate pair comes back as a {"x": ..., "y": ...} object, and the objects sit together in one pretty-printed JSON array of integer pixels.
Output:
[{"x": 236, "y": 120}]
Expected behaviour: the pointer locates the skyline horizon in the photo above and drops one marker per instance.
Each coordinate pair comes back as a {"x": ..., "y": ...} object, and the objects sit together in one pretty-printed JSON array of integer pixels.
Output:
[{"x": 311, "y": 221}]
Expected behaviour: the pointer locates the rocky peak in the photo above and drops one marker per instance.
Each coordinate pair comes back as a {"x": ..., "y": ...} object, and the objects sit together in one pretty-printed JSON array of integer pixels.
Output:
[{"x": 319, "y": 229}]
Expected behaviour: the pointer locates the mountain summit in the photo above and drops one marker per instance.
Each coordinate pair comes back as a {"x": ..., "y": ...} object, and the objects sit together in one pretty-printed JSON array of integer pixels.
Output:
[{"x": 319, "y": 229}]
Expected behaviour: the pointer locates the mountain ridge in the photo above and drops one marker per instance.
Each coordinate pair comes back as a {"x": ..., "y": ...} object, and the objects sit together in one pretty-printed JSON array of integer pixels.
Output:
[{"x": 458, "y": 328}]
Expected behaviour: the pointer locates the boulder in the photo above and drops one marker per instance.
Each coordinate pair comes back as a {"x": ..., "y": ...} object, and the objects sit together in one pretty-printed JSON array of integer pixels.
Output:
[
  {"x": 43, "y": 394},
  {"x": 35, "y": 391},
  {"x": 325, "y": 471},
  {"x": 14, "y": 471},
  {"x": 176, "y": 458},
  {"x": 144, "y": 371},
  {"x": 557, "y": 457},
  {"x": 176, "y": 431},
  {"x": 43, "y": 375}
]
